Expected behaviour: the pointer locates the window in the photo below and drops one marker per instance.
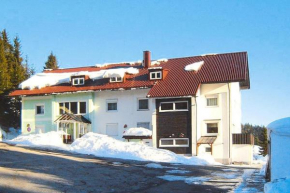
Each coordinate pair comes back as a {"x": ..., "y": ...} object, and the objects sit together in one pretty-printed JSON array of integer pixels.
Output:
[
  {"x": 112, "y": 129},
  {"x": 116, "y": 79},
  {"x": 212, "y": 128},
  {"x": 40, "y": 109},
  {"x": 78, "y": 81},
  {"x": 208, "y": 149},
  {"x": 143, "y": 104},
  {"x": 174, "y": 142},
  {"x": 212, "y": 101},
  {"x": 73, "y": 107},
  {"x": 173, "y": 106},
  {"x": 144, "y": 125},
  {"x": 155, "y": 75},
  {"x": 112, "y": 105}
]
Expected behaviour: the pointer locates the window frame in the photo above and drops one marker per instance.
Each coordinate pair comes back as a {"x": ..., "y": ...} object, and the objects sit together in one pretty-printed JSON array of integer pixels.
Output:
[
  {"x": 212, "y": 97},
  {"x": 142, "y": 122},
  {"x": 174, "y": 107},
  {"x": 156, "y": 72},
  {"x": 116, "y": 79},
  {"x": 78, "y": 107},
  {"x": 174, "y": 142},
  {"x": 212, "y": 122},
  {"x": 138, "y": 104},
  {"x": 111, "y": 101},
  {"x": 78, "y": 81},
  {"x": 37, "y": 105}
]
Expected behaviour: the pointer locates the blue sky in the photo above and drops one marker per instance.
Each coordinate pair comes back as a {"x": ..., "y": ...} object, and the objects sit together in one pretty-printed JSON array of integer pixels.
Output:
[{"x": 83, "y": 33}]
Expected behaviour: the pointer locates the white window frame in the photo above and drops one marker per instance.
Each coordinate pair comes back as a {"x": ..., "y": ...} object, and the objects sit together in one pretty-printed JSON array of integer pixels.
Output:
[
  {"x": 78, "y": 106},
  {"x": 212, "y": 97},
  {"x": 78, "y": 81},
  {"x": 156, "y": 72},
  {"x": 42, "y": 114},
  {"x": 116, "y": 79},
  {"x": 174, "y": 109},
  {"x": 174, "y": 142},
  {"x": 138, "y": 107},
  {"x": 111, "y": 101}
]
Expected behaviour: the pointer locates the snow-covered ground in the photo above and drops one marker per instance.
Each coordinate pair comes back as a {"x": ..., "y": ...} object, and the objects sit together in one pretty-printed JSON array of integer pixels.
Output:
[{"x": 105, "y": 146}]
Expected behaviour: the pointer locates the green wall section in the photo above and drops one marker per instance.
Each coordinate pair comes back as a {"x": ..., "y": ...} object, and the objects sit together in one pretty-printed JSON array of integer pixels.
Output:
[{"x": 51, "y": 110}]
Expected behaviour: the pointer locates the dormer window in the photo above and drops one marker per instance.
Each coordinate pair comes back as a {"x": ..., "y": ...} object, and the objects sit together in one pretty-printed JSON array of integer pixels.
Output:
[
  {"x": 116, "y": 79},
  {"x": 78, "y": 81},
  {"x": 156, "y": 75}
]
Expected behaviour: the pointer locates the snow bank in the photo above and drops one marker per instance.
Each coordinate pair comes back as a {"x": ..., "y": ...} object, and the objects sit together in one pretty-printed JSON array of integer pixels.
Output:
[
  {"x": 138, "y": 131},
  {"x": 281, "y": 126},
  {"x": 41, "y": 80},
  {"x": 105, "y": 146},
  {"x": 257, "y": 158},
  {"x": 51, "y": 139},
  {"x": 186, "y": 179},
  {"x": 194, "y": 66},
  {"x": 277, "y": 186}
]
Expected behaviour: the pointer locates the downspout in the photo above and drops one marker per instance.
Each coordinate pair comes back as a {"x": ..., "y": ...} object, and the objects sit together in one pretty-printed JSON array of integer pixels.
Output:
[
  {"x": 229, "y": 91},
  {"x": 196, "y": 125}
]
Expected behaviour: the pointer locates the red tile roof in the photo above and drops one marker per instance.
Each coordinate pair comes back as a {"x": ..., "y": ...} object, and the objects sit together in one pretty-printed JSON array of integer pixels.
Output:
[{"x": 230, "y": 67}]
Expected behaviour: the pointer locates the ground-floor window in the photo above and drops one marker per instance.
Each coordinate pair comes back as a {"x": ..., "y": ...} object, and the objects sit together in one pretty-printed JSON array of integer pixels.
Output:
[
  {"x": 208, "y": 149},
  {"x": 174, "y": 142}
]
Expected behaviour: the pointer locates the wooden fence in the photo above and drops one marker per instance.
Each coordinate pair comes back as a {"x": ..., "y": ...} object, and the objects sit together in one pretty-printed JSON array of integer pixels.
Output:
[{"x": 243, "y": 139}]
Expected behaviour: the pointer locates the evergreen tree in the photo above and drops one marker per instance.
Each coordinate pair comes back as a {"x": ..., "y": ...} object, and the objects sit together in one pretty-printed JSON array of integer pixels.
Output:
[
  {"x": 263, "y": 142},
  {"x": 12, "y": 73},
  {"x": 51, "y": 62}
]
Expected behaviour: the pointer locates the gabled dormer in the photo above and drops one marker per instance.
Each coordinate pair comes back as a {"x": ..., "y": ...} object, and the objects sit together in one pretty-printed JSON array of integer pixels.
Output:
[
  {"x": 78, "y": 80},
  {"x": 116, "y": 79}
]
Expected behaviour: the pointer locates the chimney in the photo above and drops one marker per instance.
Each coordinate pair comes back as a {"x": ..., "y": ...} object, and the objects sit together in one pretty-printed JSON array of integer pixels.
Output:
[{"x": 146, "y": 59}]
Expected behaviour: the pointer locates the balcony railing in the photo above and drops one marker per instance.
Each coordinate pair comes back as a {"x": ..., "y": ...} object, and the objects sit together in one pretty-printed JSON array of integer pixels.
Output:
[{"x": 240, "y": 138}]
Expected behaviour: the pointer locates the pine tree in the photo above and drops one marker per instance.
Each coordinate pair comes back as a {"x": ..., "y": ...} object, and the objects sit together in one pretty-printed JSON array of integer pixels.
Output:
[
  {"x": 263, "y": 142},
  {"x": 4, "y": 75},
  {"x": 51, "y": 62}
]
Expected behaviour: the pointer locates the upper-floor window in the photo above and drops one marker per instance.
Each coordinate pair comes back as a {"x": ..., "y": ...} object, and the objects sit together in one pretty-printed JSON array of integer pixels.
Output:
[
  {"x": 112, "y": 105},
  {"x": 212, "y": 128},
  {"x": 144, "y": 125},
  {"x": 212, "y": 101},
  {"x": 39, "y": 109},
  {"x": 116, "y": 79},
  {"x": 155, "y": 75},
  {"x": 173, "y": 106},
  {"x": 73, "y": 107},
  {"x": 143, "y": 104},
  {"x": 78, "y": 81}
]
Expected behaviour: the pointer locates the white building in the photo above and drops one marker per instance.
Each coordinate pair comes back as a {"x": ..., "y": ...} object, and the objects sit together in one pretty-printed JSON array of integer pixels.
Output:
[{"x": 192, "y": 104}]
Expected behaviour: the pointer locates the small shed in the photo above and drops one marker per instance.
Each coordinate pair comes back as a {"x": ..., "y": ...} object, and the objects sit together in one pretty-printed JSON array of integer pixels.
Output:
[{"x": 279, "y": 154}]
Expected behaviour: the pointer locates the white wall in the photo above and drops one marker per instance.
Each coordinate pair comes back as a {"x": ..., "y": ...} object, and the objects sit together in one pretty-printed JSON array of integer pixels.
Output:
[
  {"x": 220, "y": 115},
  {"x": 127, "y": 113},
  {"x": 280, "y": 155},
  {"x": 242, "y": 153}
]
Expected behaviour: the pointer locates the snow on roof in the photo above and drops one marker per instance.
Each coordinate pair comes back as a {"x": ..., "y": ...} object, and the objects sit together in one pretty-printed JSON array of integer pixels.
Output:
[
  {"x": 280, "y": 126},
  {"x": 138, "y": 131},
  {"x": 108, "y": 64},
  {"x": 209, "y": 54},
  {"x": 157, "y": 62},
  {"x": 41, "y": 80},
  {"x": 194, "y": 66}
]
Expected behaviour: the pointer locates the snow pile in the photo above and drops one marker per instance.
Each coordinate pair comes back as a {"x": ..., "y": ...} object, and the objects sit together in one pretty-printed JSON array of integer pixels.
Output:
[
  {"x": 257, "y": 158},
  {"x": 105, "y": 146},
  {"x": 41, "y": 80},
  {"x": 281, "y": 126},
  {"x": 157, "y": 62},
  {"x": 186, "y": 179},
  {"x": 138, "y": 131},
  {"x": 51, "y": 139},
  {"x": 194, "y": 66},
  {"x": 277, "y": 186}
]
